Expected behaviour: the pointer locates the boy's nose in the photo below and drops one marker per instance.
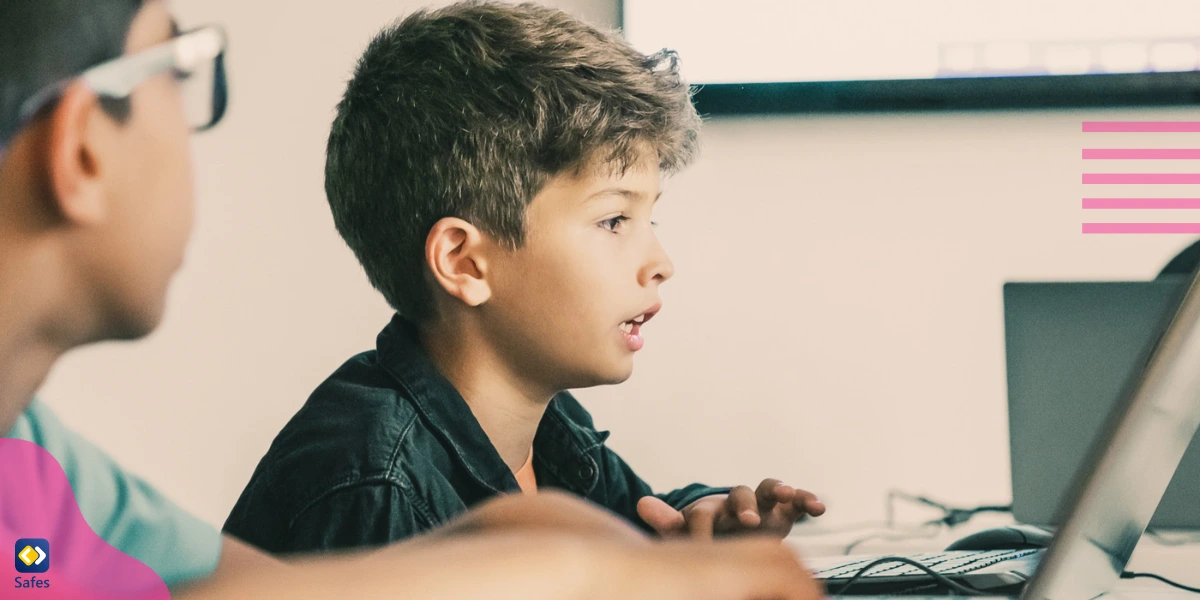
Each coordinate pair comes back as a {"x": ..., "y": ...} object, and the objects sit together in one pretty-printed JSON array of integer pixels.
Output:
[{"x": 658, "y": 267}]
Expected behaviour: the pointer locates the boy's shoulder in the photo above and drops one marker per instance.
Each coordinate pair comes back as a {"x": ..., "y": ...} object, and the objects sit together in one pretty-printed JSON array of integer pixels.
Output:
[
  {"x": 381, "y": 414},
  {"x": 353, "y": 422},
  {"x": 358, "y": 430},
  {"x": 355, "y": 417},
  {"x": 348, "y": 431}
]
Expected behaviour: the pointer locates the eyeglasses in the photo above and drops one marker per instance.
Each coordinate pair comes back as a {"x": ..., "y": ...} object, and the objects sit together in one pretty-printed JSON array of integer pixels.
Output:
[{"x": 196, "y": 59}]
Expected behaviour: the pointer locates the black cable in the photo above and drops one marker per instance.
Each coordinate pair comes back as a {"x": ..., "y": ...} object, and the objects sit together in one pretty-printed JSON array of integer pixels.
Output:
[
  {"x": 942, "y": 579},
  {"x": 951, "y": 516},
  {"x": 1131, "y": 575},
  {"x": 969, "y": 591},
  {"x": 958, "y": 516}
]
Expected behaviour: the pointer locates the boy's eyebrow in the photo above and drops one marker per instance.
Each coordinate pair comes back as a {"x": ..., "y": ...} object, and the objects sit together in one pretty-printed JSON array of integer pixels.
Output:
[{"x": 619, "y": 191}]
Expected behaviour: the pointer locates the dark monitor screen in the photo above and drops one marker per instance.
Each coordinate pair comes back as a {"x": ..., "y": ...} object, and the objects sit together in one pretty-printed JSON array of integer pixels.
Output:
[{"x": 1072, "y": 350}]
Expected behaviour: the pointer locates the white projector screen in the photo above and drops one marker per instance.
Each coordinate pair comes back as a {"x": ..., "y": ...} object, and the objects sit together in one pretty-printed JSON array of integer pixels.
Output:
[{"x": 786, "y": 41}]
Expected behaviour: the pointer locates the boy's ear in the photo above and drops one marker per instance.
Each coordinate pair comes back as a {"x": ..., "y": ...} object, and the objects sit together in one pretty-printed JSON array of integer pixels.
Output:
[
  {"x": 72, "y": 163},
  {"x": 454, "y": 251}
]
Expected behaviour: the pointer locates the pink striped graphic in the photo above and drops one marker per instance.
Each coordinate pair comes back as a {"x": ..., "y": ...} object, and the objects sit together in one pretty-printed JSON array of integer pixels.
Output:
[
  {"x": 1140, "y": 203},
  {"x": 1129, "y": 178},
  {"x": 1192, "y": 228},
  {"x": 1141, "y": 127},
  {"x": 1141, "y": 154}
]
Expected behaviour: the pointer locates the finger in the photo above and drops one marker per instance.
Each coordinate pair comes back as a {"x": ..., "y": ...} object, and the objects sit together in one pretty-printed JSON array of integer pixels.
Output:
[
  {"x": 807, "y": 503},
  {"x": 743, "y": 506},
  {"x": 767, "y": 494},
  {"x": 779, "y": 521},
  {"x": 661, "y": 517},
  {"x": 784, "y": 493},
  {"x": 700, "y": 519}
]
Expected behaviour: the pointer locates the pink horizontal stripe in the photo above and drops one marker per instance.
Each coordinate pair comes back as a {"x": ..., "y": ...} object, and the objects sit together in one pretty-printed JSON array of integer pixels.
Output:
[
  {"x": 1141, "y": 126},
  {"x": 1142, "y": 153},
  {"x": 1090, "y": 178},
  {"x": 1168, "y": 203},
  {"x": 1141, "y": 228}
]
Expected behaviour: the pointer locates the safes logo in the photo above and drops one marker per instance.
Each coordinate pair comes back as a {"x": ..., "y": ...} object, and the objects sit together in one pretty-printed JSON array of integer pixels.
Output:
[{"x": 33, "y": 555}]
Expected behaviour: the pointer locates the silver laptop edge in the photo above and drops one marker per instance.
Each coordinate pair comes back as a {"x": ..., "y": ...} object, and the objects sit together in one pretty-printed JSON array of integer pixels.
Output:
[{"x": 1117, "y": 493}]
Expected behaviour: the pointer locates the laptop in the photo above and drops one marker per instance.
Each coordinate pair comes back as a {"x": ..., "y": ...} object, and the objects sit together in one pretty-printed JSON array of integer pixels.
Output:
[
  {"x": 1114, "y": 495},
  {"x": 1072, "y": 348}
]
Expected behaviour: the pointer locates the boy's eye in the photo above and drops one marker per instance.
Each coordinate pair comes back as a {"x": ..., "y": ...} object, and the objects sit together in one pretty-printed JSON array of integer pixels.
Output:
[
  {"x": 181, "y": 75},
  {"x": 614, "y": 223}
]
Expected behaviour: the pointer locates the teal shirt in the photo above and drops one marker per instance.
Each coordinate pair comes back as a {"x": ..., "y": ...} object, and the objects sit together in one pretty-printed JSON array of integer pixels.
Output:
[{"x": 123, "y": 509}]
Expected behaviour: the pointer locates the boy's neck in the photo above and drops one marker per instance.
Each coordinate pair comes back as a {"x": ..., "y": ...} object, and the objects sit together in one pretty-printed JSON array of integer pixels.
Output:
[
  {"x": 29, "y": 343},
  {"x": 508, "y": 407},
  {"x": 22, "y": 371}
]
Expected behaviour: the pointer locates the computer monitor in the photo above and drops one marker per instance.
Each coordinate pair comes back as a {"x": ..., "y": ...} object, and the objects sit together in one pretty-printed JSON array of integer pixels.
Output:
[{"x": 1072, "y": 348}]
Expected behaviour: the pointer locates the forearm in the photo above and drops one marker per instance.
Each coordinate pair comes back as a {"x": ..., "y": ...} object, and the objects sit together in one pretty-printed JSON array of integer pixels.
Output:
[
  {"x": 517, "y": 565},
  {"x": 523, "y": 533},
  {"x": 545, "y": 512},
  {"x": 527, "y": 566}
]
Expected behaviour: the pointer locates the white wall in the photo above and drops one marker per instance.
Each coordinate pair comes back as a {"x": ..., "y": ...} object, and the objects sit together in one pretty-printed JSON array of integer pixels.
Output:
[{"x": 835, "y": 318}]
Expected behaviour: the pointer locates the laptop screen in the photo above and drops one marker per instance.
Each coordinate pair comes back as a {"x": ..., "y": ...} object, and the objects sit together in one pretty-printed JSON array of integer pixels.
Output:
[{"x": 1129, "y": 467}]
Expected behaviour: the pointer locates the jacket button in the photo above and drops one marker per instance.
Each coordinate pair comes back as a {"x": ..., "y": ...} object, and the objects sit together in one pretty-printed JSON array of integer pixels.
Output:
[{"x": 586, "y": 472}]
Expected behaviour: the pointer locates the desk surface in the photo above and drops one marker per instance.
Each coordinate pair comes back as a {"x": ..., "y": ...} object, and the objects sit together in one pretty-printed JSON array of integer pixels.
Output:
[{"x": 1179, "y": 562}]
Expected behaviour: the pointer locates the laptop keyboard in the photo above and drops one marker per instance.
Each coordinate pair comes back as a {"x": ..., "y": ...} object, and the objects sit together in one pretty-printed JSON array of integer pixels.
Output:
[{"x": 942, "y": 563}]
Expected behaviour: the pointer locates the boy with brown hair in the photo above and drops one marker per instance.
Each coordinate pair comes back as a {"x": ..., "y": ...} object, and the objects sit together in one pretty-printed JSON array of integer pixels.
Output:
[
  {"x": 494, "y": 168},
  {"x": 95, "y": 214}
]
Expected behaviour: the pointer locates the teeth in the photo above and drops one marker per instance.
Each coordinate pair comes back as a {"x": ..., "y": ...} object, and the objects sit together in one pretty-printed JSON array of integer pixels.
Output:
[
  {"x": 640, "y": 320},
  {"x": 627, "y": 327}
]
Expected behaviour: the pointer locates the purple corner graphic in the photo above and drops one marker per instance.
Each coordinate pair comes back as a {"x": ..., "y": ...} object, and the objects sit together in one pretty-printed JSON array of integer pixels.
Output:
[
  {"x": 1094, "y": 180},
  {"x": 56, "y": 555}
]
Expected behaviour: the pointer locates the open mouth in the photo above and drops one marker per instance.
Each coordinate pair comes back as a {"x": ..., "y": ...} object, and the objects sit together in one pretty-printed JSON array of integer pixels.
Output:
[
  {"x": 631, "y": 329},
  {"x": 631, "y": 326}
]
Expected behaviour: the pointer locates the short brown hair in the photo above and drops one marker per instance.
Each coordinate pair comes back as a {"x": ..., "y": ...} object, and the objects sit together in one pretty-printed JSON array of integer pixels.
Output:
[{"x": 467, "y": 111}]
